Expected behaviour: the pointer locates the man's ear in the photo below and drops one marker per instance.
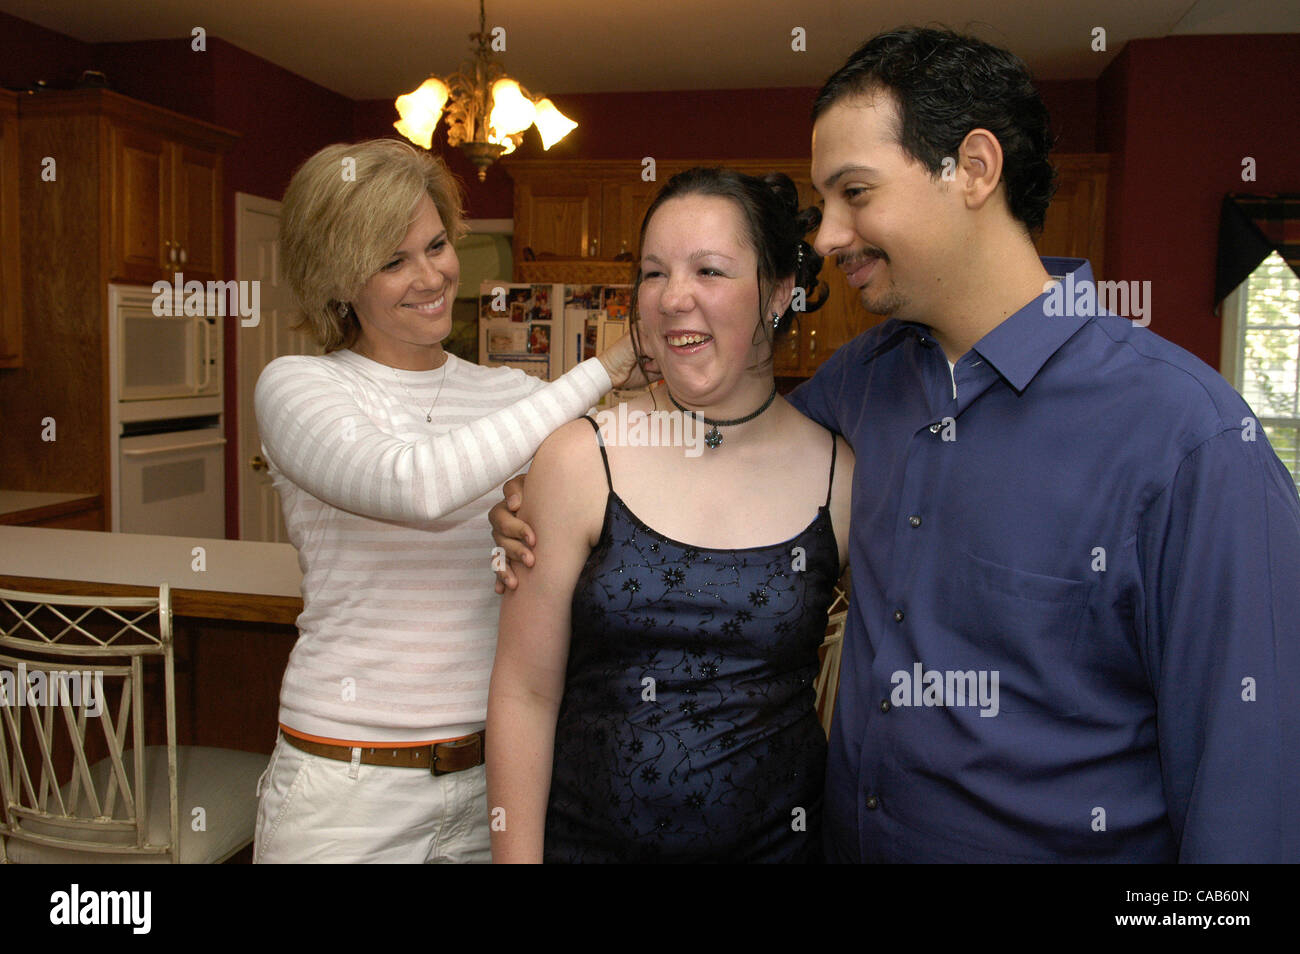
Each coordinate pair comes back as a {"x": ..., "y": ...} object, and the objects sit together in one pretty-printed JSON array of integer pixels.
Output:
[{"x": 980, "y": 162}]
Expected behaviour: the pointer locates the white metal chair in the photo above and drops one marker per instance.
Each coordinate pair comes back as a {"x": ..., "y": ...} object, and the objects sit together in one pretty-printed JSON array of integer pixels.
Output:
[{"x": 74, "y": 671}]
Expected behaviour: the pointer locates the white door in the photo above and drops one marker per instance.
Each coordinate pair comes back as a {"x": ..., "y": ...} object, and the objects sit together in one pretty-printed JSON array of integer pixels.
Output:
[{"x": 257, "y": 222}]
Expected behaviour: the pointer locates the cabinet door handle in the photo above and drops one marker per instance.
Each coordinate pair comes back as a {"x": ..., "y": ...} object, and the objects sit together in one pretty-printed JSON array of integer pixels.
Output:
[
  {"x": 183, "y": 257},
  {"x": 812, "y": 343}
]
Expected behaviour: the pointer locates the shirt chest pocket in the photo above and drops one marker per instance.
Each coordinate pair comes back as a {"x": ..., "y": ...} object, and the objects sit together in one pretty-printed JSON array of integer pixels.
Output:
[{"x": 1021, "y": 626}]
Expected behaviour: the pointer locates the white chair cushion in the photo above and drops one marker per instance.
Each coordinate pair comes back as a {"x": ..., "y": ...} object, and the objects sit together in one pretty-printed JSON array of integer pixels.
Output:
[{"x": 223, "y": 782}]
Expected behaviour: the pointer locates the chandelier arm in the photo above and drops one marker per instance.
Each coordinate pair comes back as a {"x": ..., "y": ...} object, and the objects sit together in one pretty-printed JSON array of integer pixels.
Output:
[{"x": 468, "y": 108}]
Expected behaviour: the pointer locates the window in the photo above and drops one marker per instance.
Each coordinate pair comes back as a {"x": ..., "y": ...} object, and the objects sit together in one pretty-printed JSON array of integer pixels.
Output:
[{"x": 1261, "y": 353}]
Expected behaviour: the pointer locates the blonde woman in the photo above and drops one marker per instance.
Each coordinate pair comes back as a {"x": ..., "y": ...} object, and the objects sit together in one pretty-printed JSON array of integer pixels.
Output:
[{"x": 386, "y": 452}]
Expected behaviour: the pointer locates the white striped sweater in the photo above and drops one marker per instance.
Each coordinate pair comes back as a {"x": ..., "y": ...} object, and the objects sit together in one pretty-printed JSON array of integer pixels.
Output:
[{"x": 389, "y": 516}]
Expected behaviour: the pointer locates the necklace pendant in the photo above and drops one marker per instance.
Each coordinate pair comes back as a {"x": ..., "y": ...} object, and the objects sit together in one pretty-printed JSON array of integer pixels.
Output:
[
  {"x": 429, "y": 418},
  {"x": 714, "y": 437}
]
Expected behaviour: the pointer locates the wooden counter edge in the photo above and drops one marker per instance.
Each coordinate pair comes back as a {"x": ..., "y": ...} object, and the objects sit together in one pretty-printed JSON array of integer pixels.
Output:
[
  {"x": 47, "y": 511},
  {"x": 248, "y": 607}
]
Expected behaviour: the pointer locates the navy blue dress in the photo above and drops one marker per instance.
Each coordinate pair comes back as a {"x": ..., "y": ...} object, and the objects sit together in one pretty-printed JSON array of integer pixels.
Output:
[{"x": 687, "y": 732}]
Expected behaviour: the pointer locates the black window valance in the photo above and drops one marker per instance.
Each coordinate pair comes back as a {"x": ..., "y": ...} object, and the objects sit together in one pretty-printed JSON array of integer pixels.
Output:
[{"x": 1250, "y": 227}]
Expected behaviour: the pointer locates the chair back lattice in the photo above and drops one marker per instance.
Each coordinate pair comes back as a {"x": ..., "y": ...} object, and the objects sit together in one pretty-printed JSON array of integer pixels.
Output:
[
  {"x": 73, "y": 674},
  {"x": 827, "y": 684}
]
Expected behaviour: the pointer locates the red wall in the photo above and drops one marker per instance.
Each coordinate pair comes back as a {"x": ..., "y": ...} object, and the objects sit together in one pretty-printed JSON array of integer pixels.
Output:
[
  {"x": 1180, "y": 114},
  {"x": 29, "y": 53}
]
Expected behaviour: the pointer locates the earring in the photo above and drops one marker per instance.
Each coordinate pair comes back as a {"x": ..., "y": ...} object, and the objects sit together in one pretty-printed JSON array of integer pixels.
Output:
[{"x": 343, "y": 309}]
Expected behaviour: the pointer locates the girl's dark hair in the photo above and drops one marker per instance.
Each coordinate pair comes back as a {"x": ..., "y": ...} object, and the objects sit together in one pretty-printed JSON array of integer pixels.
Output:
[{"x": 775, "y": 227}]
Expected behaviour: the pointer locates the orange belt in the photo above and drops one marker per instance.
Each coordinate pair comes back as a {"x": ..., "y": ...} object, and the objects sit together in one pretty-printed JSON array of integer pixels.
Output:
[{"x": 441, "y": 758}]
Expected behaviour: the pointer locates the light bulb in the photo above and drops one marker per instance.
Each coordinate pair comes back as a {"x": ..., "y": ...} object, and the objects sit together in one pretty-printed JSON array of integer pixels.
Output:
[
  {"x": 552, "y": 124},
  {"x": 512, "y": 111},
  {"x": 420, "y": 111}
]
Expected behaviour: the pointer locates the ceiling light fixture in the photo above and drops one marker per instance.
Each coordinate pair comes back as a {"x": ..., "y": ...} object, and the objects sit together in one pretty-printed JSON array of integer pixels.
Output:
[{"x": 487, "y": 112}]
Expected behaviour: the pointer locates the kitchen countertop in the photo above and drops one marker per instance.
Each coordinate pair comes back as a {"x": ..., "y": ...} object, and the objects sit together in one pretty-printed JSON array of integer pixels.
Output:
[
  {"x": 229, "y": 566},
  {"x": 228, "y": 579}
]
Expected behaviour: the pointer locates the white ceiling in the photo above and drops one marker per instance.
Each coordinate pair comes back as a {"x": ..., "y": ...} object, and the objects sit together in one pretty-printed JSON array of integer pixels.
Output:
[{"x": 374, "y": 49}]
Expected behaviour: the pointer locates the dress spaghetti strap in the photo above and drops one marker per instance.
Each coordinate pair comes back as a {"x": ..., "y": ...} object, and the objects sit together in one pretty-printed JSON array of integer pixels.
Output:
[
  {"x": 600, "y": 441},
  {"x": 829, "y": 483}
]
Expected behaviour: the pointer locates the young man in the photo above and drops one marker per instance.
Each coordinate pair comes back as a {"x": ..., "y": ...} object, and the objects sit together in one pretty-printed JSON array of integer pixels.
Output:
[{"x": 1074, "y": 631}]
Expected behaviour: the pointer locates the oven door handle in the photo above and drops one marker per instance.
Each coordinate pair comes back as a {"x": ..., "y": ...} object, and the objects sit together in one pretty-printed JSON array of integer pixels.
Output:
[{"x": 175, "y": 447}]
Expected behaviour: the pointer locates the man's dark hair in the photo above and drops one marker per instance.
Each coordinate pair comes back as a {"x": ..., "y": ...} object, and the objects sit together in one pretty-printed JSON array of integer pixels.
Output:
[{"x": 944, "y": 85}]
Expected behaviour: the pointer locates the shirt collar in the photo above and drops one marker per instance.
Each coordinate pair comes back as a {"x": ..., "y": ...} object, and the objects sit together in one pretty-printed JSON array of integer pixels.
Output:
[
  {"x": 892, "y": 332},
  {"x": 1018, "y": 347}
]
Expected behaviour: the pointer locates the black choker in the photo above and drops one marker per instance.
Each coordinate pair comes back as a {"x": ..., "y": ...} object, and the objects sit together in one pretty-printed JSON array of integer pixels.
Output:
[{"x": 714, "y": 437}]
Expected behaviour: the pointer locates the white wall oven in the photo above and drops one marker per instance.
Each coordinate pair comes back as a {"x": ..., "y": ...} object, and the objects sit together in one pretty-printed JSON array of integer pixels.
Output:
[{"x": 168, "y": 448}]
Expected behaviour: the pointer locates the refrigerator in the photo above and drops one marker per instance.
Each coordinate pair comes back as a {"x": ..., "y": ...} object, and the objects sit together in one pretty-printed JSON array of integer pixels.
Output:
[{"x": 546, "y": 329}]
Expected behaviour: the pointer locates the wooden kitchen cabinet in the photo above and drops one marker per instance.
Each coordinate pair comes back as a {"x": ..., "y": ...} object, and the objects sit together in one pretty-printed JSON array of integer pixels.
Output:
[
  {"x": 124, "y": 179},
  {"x": 139, "y": 181},
  {"x": 11, "y": 326},
  {"x": 166, "y": 203},
  {"x": 196, "y": 210},
  {"x": 1076, "y": 220},
  {"x": 578, "y": 209},
  {"x": 557, "y": 212},
  {"x": 626, "y": 200}
]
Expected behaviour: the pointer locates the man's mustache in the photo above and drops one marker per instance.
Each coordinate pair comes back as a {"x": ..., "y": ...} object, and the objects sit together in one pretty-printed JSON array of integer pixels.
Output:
[{"x": 851, "y": 260}]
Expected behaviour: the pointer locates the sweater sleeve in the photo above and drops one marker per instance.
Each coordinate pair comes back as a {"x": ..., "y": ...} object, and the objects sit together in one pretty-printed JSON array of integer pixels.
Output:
[{"x": 316, "y": 433}]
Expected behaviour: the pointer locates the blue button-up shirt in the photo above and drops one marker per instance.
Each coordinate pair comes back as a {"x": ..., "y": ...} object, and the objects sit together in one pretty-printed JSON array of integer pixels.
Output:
[{"x": 1075, "y": 622}]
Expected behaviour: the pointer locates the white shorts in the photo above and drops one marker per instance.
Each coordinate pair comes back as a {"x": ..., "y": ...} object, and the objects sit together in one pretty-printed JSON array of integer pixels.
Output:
[{"x": 313, "y": 809}]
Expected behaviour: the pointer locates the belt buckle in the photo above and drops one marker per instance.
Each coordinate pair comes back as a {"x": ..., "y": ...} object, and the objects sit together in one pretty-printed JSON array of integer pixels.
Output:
[{"x": 475, "y": 740}]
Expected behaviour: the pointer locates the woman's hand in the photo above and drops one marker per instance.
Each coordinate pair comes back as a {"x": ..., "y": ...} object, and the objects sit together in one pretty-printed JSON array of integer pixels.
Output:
[{"x": 620, "y": 361}]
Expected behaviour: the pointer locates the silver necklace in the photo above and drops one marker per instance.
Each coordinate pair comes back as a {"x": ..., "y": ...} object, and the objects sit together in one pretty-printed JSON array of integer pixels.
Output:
[{"x": 428, "y": 415}]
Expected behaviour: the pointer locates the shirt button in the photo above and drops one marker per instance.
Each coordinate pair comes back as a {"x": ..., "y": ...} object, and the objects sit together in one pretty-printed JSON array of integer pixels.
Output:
[
  {"x": 898, "y": 616},
  {"x": 935, "y": 428},
  {"x": 872, "y": 802},
  {"x": 914, "y": 520},
  {"x": 884, "y": 705}
]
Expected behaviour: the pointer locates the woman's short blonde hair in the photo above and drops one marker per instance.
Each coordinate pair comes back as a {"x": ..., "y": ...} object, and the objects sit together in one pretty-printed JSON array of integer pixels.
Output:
[{"x": 344, "y": 214}]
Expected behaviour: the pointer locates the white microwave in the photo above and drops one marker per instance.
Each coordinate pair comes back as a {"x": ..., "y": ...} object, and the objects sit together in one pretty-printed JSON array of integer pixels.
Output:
[{"x": 161, "y": 356}]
